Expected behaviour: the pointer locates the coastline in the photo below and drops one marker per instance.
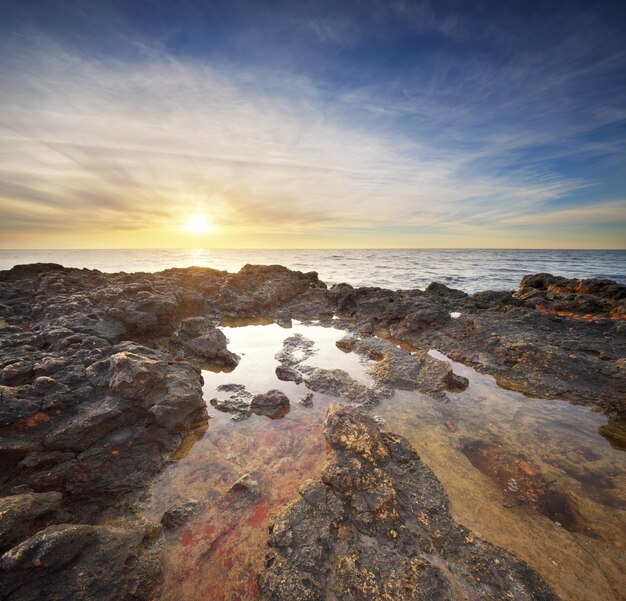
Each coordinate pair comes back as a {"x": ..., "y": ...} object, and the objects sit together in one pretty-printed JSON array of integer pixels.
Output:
[{"x": 101, "y": 383}]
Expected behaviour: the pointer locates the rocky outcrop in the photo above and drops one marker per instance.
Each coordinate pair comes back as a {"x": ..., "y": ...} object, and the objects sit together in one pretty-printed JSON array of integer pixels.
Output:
[
  {"x": 378, "y": 526},
  {"x": 22, "y": 515},
  {"x": 100, "y": 382},
  {"x": 553, "y": 338},
  {"x": 198, "y": 338},
  {"x": 83, "y": 563}
]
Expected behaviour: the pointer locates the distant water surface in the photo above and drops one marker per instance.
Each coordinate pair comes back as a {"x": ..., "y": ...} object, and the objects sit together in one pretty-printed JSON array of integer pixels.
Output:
[{"x": 469, "y": 270}]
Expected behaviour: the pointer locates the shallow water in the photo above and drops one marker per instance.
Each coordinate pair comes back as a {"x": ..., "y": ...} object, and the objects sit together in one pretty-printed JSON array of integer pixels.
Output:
[
  {"x": 532, "y": 476},
  {"x": 471, "y": 270}
]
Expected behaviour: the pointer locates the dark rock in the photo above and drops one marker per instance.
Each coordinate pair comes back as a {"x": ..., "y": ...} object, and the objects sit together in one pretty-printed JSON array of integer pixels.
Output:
[
  {"x": 377, "y": 526},
  {"x": 200, "y": 339},
  {"x": 19, "y": 372},
  {"x": 178, "y": 515},
  {"x": 22, "y": 515},
  {"x": 288, "y": 374},
  {"x": 237, "y": 403},
  {"x": 454, "y": 382},
  {"x": 273, "y": 404},
  {"x": 258, "y": 288},
  {"x": 133, "y": 372},
  {"x": 83, "y": 563}
]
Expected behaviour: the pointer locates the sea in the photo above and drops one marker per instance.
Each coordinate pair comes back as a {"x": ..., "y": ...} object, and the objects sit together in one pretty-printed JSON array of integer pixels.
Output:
[{"x": 468, "y": 270}]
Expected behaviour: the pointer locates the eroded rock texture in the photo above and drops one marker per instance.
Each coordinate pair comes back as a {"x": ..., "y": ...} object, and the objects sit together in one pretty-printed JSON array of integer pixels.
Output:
[
  {"x": 553, "y": 338},
  {"x": 378, "y": 526}
]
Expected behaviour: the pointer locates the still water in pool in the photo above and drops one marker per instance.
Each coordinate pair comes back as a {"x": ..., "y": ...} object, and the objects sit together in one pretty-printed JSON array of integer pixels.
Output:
[{"x": 533, "y": 476}]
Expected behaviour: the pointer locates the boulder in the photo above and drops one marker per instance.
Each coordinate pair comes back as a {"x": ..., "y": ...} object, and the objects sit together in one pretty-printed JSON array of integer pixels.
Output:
[{"x": 273, "y": 404}]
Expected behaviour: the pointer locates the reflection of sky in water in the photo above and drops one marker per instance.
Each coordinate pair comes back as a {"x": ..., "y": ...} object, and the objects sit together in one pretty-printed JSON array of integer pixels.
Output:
[
  {"x": 226, "y": 542},
  {"x": 257, "y": 346}
]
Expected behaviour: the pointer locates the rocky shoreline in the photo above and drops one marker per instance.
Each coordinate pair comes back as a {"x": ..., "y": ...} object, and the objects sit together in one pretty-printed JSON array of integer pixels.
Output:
[{"x": 100, "y": 383}]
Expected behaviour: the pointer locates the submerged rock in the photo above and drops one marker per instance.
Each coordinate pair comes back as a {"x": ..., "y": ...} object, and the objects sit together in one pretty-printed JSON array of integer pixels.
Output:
[
  {"x": 522, "y": 482},
  {"x": 288, "y": 374},
  {"x": 378, "y": 526},
  {"x": 296, "y": 349},
  {"x": 177, "y": 515},
  {"x": 248, "y": 484},
  {"x": 237, "y": 403},
  {"x": 306, "y": 400}
]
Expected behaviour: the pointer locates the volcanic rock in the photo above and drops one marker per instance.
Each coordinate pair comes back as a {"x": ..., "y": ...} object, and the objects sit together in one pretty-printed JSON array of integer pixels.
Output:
[
  {"x": 273, "y": 404},
  {"x": 377, "y": 526}
]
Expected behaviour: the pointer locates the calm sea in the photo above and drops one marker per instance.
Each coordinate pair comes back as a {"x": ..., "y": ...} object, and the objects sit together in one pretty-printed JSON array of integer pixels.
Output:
[{"x": 469, "y": 270}]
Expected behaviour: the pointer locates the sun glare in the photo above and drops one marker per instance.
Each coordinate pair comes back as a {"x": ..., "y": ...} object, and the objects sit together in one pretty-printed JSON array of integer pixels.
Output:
[{"x": 199, "y": 224}]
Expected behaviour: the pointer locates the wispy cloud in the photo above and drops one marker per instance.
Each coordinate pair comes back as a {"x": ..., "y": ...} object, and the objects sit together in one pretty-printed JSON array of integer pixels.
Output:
[
  {"x": 102, "y": 142},
  {"x": 453, "y": 140}
]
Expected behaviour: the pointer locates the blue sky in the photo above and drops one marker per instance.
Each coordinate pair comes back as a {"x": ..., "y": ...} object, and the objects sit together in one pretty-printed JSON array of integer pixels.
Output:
[{"x": 369, "y": 124}]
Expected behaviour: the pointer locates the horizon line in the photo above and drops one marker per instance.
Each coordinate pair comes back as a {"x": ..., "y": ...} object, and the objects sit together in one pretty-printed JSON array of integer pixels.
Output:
[{"x": 257, "y": 248}]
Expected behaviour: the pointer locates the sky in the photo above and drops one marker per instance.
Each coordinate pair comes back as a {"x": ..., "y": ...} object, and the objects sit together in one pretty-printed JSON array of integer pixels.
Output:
[{"x": 312, "y": 124}]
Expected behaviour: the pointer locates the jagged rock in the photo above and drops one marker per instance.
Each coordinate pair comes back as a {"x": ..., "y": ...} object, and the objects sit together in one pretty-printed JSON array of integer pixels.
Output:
[
  {"x": 378, "y": 526},
  {"x": 454, "y": 382},
  {"x": 306, "y": 400},
  {"x": 199, "y": 338},
  {"x": 296, "y": 349},
  {"x": 237, "y": 403},
  {"x": 340, "y": 384}
]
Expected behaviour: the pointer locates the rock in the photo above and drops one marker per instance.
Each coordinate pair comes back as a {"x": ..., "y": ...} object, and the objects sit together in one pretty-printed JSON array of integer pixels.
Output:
[
  {"x": 237, "y": 403},
  {"x": 88, "y": 424},
  {"x": 133, "y": 371},
  {"x": 83, "y": 563},
  {"x": 288, "y": 374},
  {"x": 19, "y": 372},
  {"x": 24, "y": 514},
  {"x": 248, "y": 484},
  {"x": 340, "y": 384},
  {"x": 522, "y": 482},
  {"x": 615, "y": 432},
  {"x": 273, "y": 404},
  {"x": 296, "y": 349},
  {"x": 200, "y": 339},
  {"x": 454, "y": 382},
  {"x": 177, "y": 515},
  {"x": 306, "y": 400},
  {"x": 377, "y": 526},
  {"x": 258, "y": 288}
]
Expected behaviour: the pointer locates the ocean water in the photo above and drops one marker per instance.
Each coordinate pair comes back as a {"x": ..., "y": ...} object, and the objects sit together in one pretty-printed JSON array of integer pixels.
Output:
[{"x": 468, "y": 270}]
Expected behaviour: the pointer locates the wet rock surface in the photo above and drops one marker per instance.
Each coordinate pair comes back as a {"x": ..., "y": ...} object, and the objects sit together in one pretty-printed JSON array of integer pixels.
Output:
[
  {"x": 522, "y": 482},
  {"x": 378, "y": 526},
  {"x": 553, "y": 338},
  {"x": 273, "y": 404},
  {"x": 69, "y": 561},
  {"x": 100, "y": 384}
]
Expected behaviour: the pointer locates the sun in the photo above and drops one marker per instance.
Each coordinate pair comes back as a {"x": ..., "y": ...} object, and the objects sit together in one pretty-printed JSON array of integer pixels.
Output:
[{"x": 199, "y": 224}]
